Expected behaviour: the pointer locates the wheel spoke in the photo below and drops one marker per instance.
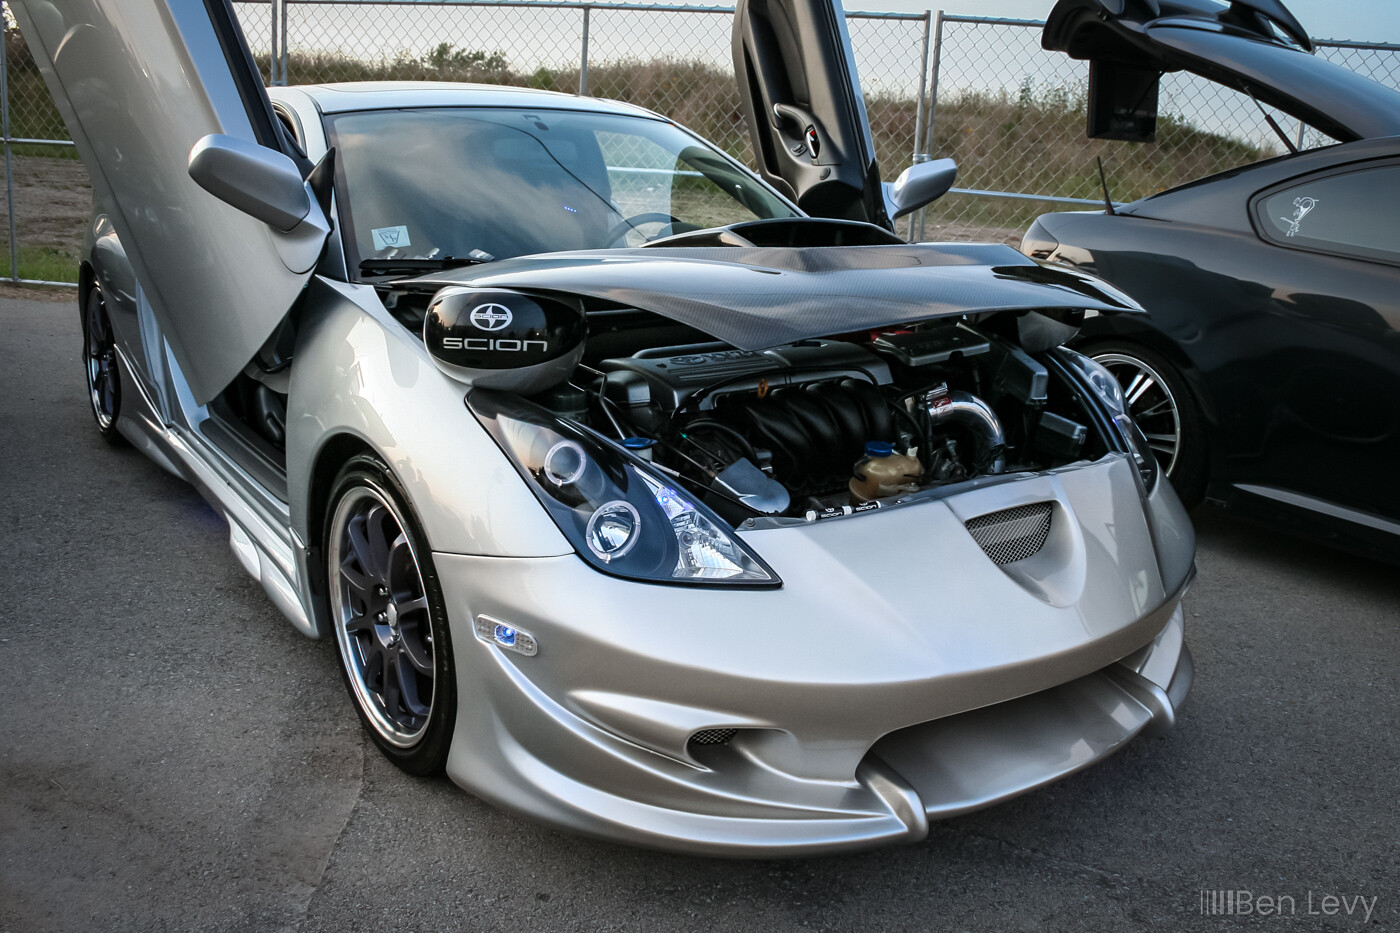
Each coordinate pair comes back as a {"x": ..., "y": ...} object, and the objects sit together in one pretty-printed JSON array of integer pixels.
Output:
[
  {"x": 424, "y": 665},
  {"x": 1143, "y": 384},
  {"x": 363, "y": 622},
  {"x": 374, "y": 671},
  {"x": 363, "y": 549},
  {"x": 379, "y": 526},
  {"x": 361, "y": 583},
  {"x": 392, "y": 687},
  {"x": 1161, "y": 408},
  {"x": 412, "y": 605},
  {"x": 417, "y": 649},
  {"x": 402, "y": 572},
  {"x": 408, "y": 685}
]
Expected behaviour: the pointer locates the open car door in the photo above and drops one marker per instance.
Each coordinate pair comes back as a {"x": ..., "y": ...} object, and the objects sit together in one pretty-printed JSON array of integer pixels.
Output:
[
  {"x": 1253, "y": 46},
  {"x": 803, "y": 104},
  {"x": 142, "y": 83}
]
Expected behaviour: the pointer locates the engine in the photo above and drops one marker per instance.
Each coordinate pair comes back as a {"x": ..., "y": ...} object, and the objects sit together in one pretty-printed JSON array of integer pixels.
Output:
[{"x": 820, "y": 425}]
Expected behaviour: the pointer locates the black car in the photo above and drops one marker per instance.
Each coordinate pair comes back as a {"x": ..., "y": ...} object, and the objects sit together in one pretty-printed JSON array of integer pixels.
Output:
[{"x": 1267, "y": 376}]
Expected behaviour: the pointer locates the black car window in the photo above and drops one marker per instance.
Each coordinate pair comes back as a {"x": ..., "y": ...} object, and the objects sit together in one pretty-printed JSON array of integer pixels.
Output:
[{"x": 1353, "y": 213}]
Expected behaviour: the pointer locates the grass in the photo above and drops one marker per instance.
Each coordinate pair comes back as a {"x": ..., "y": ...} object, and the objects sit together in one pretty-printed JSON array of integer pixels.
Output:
[{"x": 41, "y": 263}]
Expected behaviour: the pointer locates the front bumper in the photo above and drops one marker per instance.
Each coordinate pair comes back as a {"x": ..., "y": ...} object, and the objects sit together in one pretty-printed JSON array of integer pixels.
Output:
[{"x": 864, "y": 699}]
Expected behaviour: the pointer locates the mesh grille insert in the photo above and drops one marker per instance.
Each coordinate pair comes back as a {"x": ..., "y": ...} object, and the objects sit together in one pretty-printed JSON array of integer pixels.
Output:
[
  {"x": 713, "y": 736},
  {"x": 1012, "y": 534}
]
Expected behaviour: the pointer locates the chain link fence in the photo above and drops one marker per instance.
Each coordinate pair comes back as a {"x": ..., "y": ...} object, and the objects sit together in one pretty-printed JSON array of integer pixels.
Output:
[
  {"x": 1012, "y": 115},
  {"x": 979, "y": 90},
  {"x": 671, "y": 59}
]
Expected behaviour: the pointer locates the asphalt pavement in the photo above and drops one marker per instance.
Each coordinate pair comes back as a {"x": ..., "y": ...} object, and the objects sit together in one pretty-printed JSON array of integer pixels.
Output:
[{"x": 174, "y": 756}]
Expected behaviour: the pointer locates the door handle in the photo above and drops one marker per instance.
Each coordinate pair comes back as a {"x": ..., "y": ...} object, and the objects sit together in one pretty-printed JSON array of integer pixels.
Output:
[
  {"x": 787, "y": 113},
  {"x": 805, "y": 122}
]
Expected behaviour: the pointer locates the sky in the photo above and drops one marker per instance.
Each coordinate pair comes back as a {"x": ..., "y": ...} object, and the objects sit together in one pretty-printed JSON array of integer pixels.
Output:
[{"x": 1360, "y": 20}]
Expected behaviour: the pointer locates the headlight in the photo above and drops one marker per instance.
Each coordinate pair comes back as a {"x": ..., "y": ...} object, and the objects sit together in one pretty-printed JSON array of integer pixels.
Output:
[
  {"x": 1106, "y": 388},
  {"x": 621, "y": 516}
]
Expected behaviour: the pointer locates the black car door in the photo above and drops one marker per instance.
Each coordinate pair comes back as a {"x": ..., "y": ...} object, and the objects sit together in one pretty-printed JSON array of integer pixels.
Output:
[
  {"x": 806, "y": 115},
  {"x": 1329, "y": 351}
]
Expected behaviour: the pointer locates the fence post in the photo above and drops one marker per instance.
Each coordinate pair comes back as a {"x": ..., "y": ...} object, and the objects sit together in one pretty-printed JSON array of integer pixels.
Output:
[
  {"x": 273, "y": 54},
  {"x": 583, "y": 56},
  {"x": 282, "y": 43},
  {"x": 932, "y": 99},
  {"x": 919, "y": 155},
  {"x": 9, "y": 163}
]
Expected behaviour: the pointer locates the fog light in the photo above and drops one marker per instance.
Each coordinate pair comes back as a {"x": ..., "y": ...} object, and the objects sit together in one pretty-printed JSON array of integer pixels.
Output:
[{"x": 495, "y": 632}]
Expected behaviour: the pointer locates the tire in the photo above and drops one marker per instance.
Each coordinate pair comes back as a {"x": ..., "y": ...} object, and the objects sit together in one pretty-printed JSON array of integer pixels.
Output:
[
  {"x": 1164, "y": 407},
  {"x": 103, "y": 375},
  {"x": 389, "y": 618}
]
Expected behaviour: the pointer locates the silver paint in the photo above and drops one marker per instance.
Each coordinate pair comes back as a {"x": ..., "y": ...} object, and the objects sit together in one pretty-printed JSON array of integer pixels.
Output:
[
  {"x": 872, "y": 693},
  {"x": 138, "y": 84}
]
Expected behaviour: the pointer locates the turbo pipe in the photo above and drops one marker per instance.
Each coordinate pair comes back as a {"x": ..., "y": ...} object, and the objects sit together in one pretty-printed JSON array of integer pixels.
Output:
[{"x": 963, "y": 408}]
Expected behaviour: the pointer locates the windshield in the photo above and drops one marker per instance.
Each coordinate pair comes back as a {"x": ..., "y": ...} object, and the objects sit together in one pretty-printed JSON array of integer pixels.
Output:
[{"x": 479, "y": 184}]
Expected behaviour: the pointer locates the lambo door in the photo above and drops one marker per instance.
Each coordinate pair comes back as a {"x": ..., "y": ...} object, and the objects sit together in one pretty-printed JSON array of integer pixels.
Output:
[
  {"x": 141, "y": 84},
  {"x": 802, "y": 101}
]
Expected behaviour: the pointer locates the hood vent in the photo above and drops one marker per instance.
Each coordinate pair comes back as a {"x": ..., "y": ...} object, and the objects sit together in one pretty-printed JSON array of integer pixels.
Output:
[
  {"x": 1012, "y": 534},
  {"x": 713, "y": 736}
]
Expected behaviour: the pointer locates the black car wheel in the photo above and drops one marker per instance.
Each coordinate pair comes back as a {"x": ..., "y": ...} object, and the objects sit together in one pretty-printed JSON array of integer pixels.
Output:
[
  {"x": 389, "y": 618},
  {"x": 1162, "y": 405},
  {"x": 104, "y": 382}
]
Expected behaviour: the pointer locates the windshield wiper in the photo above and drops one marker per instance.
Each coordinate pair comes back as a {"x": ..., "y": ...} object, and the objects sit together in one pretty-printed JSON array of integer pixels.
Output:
[{"x": 409, "y": 266}]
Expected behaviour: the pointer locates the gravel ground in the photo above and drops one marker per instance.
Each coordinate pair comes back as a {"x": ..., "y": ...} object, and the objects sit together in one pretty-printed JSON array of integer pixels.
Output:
[{"x": 173, "y": 756}]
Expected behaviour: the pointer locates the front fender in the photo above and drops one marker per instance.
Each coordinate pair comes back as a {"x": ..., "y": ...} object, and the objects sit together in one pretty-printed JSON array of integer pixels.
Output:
[{"x": 360, "y": 373}]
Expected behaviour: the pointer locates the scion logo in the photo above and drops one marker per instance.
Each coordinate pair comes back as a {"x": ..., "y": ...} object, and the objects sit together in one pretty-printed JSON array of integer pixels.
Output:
[
  {"x": 504, "y": 344},
  {"x": 491, "y": 316}
]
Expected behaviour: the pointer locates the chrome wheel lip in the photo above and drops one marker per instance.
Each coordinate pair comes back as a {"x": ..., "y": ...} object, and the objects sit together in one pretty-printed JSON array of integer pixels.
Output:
[
  {"x": 386, "y": 635},
  {"x": 99, "y": 360},
  {"x": 1151, "y": 404}
]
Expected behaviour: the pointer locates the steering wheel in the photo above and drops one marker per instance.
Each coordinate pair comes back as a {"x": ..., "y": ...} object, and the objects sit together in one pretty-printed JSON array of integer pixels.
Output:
[{"x": 628, "y": 224}]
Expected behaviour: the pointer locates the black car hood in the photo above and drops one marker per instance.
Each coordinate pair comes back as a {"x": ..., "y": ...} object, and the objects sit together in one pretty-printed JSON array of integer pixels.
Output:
[
  {"x": 1255, "y": 46},
  {"x": 759, "y": 297}
]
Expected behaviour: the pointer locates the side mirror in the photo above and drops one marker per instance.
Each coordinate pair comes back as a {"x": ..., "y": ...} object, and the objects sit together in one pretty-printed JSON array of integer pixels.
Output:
[
  {"x": 918, "y": 186},
  {"x": 258, "y": 181}
]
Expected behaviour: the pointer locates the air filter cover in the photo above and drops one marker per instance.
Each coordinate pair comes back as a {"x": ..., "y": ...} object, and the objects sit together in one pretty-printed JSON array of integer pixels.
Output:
[{"x": 502, "y": 339}]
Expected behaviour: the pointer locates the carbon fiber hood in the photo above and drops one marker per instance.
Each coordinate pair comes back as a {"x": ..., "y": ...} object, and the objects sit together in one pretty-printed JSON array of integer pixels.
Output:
[{"x": 759, "y": 297}]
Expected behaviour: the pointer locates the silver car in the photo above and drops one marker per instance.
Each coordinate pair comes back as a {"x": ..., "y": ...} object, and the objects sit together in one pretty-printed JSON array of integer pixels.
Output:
[{"x": 642, "y": 495}]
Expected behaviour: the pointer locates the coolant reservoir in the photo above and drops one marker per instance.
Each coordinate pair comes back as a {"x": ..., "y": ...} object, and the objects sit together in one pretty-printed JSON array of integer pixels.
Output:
[{"x": 882, "y": 473}]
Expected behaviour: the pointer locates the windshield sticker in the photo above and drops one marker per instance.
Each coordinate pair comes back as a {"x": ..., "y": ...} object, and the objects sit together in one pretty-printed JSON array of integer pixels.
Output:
[
  {"x": 1301, "y": 208},
  {"x": 395, "y": 237}
]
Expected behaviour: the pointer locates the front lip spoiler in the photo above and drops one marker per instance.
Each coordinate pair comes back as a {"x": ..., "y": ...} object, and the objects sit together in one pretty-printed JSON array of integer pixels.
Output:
[{"x": 973, "y": 760}]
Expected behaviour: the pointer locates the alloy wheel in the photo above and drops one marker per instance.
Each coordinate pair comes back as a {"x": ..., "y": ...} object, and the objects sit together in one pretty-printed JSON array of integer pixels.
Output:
[
  {"x": 100, "y": 362},
  {"x": 381, "y": 616},
  {"x": 1150, "y": 403}
]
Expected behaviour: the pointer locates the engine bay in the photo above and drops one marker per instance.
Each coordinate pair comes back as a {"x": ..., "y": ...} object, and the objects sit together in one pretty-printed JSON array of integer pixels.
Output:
[{"x": 822, "y": 426}]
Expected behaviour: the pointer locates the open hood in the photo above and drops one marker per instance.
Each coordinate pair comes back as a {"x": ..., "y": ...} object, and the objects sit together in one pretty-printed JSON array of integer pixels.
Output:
[
  {"x": 758, "y": 297},
  {"x": 1254, "y": 46},
  {"x": 802, "y": 101},
  {"x": 151, "y": 91}
]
